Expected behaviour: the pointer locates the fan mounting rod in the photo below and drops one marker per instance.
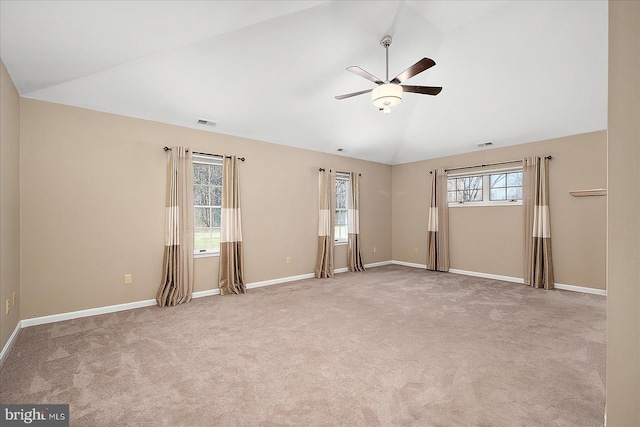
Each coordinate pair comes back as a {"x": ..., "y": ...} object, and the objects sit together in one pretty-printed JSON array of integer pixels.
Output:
[{"x": 386, "y": 42}]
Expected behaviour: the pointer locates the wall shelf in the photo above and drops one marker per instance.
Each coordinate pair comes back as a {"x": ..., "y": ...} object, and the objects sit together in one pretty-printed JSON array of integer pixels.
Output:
[{"x": 588, "y": 193}]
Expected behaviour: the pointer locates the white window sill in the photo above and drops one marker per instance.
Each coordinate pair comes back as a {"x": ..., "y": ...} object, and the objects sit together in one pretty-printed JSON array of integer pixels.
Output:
[
  {"x": 477, "y": 204},
  {"x": 341, "y": 243},
  {"x": 206, "y": 254}
]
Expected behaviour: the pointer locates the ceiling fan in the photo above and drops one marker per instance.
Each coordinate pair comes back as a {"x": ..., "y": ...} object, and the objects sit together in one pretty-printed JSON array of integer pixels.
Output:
[{"x": 388, "y": 93}]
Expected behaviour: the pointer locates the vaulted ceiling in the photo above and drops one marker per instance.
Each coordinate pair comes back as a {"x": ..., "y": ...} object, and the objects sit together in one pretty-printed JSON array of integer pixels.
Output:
[{"x": 512, "y": 71}]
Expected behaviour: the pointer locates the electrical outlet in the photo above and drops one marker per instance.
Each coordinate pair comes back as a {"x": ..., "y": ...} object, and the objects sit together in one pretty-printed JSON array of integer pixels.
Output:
[
  {"x": 127, "y": 279},
  {"x": 375, "y": 249},
  {"x": 288, "y": 260},
  {"x": 415, "y": 250},
  {"x": 7, "y": 310}
]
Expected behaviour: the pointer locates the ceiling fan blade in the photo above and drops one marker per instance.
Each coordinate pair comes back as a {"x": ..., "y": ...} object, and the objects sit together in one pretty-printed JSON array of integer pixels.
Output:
[
  {"x": 418, "y": 67},
  {"x": 362, "y": 73},
  {"x": 426, "y": 90},
  {"x": 349, "y": 95}
]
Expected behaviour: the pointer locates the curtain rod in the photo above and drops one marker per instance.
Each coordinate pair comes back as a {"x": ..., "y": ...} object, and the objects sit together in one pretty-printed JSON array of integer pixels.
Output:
[
  {"x": 323, "y": 169},
  {"x": 206, "y": 154},
  {"x": 484, "y": 165}
]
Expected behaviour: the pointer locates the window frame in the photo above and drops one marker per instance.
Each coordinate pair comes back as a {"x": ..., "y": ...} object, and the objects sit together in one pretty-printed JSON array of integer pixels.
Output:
[
  {"x": 347, "y": 179},
  {"x": 486, "y": 188},
  {"x": 207, "y": 160},
  {"x": 464, "y": 177}
]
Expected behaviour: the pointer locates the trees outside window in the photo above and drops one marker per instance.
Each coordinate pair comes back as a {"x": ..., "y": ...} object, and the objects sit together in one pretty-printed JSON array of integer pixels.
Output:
[
  {"x": 491, "y": 188},
  {"x": 207, "y": 203},
  {"x": 342, "y": 209}
]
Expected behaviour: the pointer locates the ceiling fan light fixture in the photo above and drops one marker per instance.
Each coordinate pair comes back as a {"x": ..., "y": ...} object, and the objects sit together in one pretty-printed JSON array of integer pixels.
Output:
[{"x": 386, "y": 95}]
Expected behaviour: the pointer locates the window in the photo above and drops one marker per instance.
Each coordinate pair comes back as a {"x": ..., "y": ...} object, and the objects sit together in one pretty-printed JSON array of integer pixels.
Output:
[
  {"x": 492, "y": 188},
  {"x": 341, "y": 228},
  {"x": 207, "y": 204},
  {"x": 465, "y": 189},
  {"x": 506, "y": 186}
]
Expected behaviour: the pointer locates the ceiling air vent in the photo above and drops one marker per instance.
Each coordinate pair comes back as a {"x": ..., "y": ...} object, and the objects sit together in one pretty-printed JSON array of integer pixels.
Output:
[
  {"x": 206, "y": 122},
  {"x": 485, "y": 144}
]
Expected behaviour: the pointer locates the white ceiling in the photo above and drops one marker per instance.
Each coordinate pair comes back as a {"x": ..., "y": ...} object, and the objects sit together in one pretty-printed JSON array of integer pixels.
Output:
[{"x": 511, "y": 71}]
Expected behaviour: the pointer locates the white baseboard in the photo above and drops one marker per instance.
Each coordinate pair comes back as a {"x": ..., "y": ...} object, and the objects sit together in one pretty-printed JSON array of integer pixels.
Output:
[
  {"x": 146, "y": 303},
  {"x": 280, "y": 280},
  {"x": 409, "y": 264},
  {"x": 487, "y": 275},
  {"x": 582, "y": 289},
  {"x": 378, "y": 264},
  {"x": 561, "y": 286},
  {"x": 206, "y": 293},
  {"x": 138, "y": 304},
  {"x": 86, "y": 313},
  {"x": 9, "y": 343}
]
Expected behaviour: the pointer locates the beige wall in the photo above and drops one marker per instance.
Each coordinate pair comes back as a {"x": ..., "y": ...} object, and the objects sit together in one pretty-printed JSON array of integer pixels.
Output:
[
  {"x": 92, "y": 205},
  {"x": 490, "y": 239},
  {"x": 90, "y": 200},
  {"x": 623, "y": 264},
  {"x": 9, "y": 204}
]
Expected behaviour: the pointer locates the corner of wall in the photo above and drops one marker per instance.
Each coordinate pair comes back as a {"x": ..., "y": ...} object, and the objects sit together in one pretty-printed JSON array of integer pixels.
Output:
[
  {"x": 623, "y": 208},
  {"x": 10, "y": 296}
]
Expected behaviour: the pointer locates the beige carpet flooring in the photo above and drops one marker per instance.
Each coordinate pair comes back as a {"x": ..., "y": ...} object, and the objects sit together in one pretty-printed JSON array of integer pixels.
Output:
[{"x": 390, "y": 346}]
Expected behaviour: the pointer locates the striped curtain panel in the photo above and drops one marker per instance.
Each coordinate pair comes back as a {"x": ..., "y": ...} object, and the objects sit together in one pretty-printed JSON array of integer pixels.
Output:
[
  {"x": 177, "y": 273},
  {"x": 438, "y": 226},
  {"x": 327, "y": 189},
  {"x": 354, "y": 256},
  {"x": 538, "y": 266},
  {"x": 231, "y": 277}
]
